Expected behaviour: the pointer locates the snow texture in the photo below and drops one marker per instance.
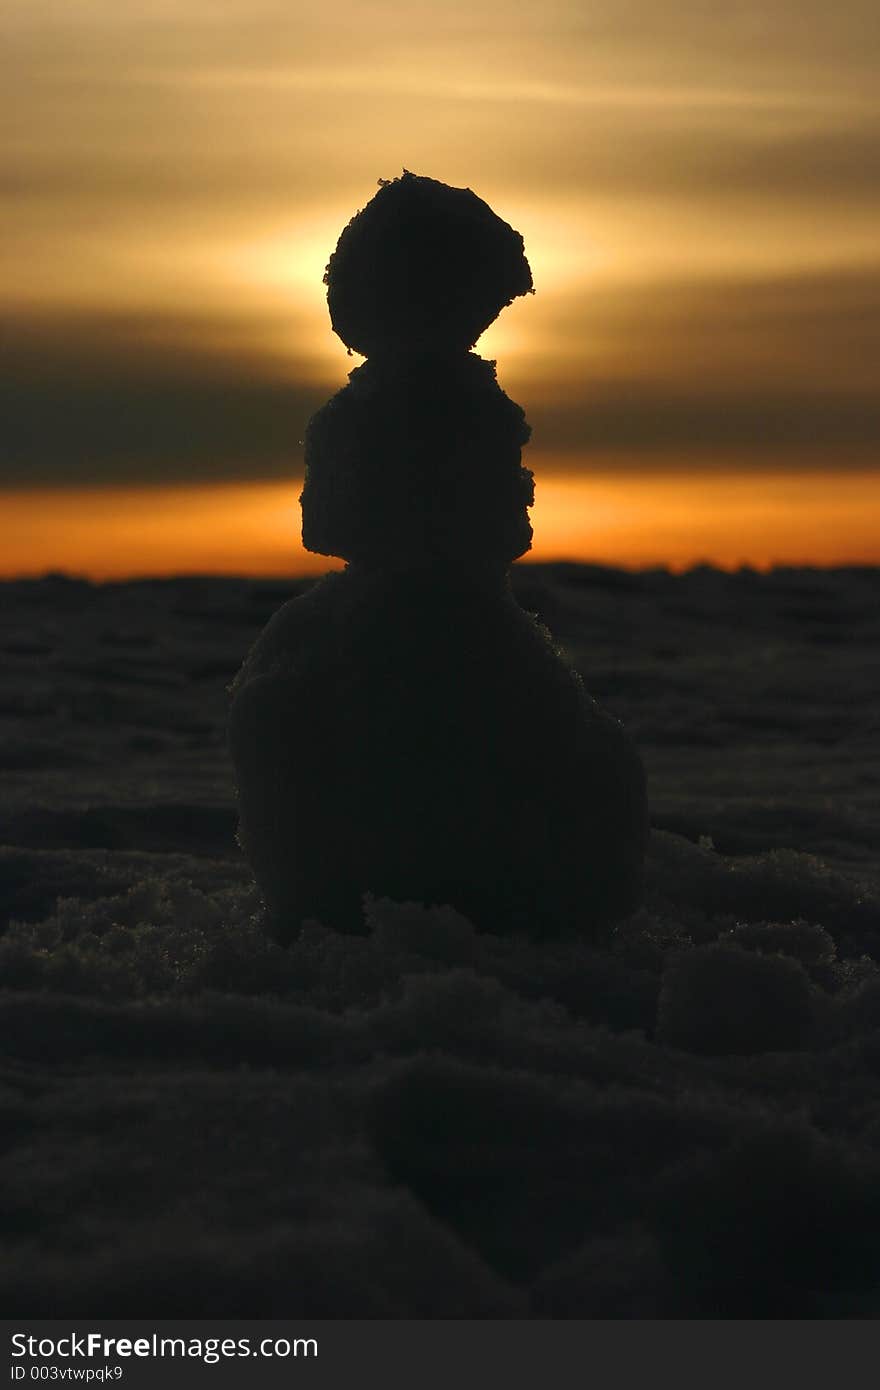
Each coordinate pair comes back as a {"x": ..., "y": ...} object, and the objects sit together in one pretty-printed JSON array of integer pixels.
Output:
[{"x": 425, "y": 1119}]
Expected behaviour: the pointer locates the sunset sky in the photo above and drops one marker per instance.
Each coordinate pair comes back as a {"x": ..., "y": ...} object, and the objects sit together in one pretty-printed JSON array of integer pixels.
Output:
[{"x": 696, "y": 185}]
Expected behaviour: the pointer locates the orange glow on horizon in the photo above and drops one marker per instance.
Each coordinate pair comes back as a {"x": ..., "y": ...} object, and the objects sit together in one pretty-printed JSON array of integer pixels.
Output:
[
  {"x": 695, "y": 185},
  {"x": 634, "y": 520}
]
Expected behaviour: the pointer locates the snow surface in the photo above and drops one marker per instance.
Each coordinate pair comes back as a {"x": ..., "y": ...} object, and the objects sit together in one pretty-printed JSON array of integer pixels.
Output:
[{"x": 426, "y": 1121}]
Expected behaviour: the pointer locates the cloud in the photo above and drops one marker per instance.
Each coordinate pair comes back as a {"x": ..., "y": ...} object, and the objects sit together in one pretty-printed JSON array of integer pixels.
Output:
[
  {"x": 682, "y": 367},
  {"x": 658, "y": 424},
  {"x": 705, "y": 361},
  {"x": 156, "y": 150},
  {"x": 100, "y": 399}
]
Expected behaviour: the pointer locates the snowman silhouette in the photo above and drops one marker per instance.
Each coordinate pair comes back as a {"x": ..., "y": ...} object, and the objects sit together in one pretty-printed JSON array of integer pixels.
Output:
[{"x": 405, "y": 728}]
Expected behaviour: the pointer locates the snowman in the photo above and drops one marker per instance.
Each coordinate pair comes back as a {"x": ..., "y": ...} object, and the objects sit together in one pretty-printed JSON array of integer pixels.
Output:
[{"x": 404, "y": 728}]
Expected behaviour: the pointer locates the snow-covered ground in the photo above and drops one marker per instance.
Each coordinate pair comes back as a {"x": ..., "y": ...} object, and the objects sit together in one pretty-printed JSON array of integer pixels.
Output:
[{"x": 426, "y": 1121}]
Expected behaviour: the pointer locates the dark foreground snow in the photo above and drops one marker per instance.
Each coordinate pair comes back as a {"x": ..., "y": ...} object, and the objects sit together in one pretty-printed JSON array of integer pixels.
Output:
[{"x": 425, "y": 1121}]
